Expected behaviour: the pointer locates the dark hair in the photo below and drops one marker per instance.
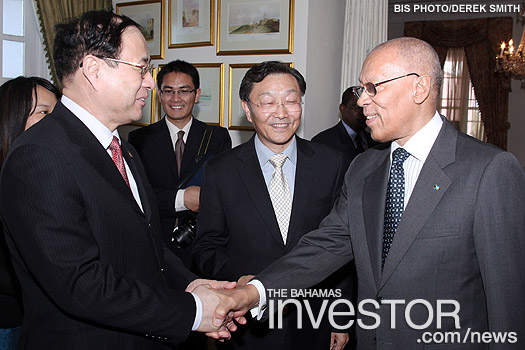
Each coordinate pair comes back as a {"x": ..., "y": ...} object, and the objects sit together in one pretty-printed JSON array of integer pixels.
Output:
[
  {"x": 257, "y": 73},
  {"x": 97, "y": 33},
  {"x": 179, "y": 66},
  {"x": 16, "y": 105},
  {"x": 347, "y": 96}
]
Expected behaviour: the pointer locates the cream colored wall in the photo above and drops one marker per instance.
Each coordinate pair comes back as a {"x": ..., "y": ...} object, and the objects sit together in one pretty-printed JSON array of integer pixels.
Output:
[{"x": 318, "y": 32}]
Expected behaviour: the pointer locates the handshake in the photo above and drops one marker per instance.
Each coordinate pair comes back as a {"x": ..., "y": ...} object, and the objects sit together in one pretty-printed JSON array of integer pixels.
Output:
[{"x": 223, "y": 303}]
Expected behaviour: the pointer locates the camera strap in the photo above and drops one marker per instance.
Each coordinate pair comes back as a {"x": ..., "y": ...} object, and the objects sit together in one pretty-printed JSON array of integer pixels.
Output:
[{"x": 200, "y": 158}]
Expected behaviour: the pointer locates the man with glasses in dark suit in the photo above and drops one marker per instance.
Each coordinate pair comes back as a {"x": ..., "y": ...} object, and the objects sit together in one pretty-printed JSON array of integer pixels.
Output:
[
  {"x": 349, "y": 136},
  {"x": 172, "y": 151}
]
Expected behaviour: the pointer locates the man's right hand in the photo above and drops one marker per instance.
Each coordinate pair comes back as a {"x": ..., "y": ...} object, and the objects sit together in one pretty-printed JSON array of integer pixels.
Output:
[
  {"x": 235, "y": 302},
  {"x": 191, "y": 198}
]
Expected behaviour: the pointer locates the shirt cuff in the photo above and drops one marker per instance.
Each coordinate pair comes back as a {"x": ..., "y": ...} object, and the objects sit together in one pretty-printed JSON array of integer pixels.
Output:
[
  {"x": 258, "y": 311},
  {"x": 198, "y": 314},
  {"x": 179, "y": 201}
]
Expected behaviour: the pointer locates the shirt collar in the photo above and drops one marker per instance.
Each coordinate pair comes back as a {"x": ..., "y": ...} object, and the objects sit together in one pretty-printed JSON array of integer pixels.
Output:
[
  {"x": 174, "y": 130},
  {"x": 101, "y": 132},
  {"x": 264, "y": 153},
  {"x": 420, "y": 144}
]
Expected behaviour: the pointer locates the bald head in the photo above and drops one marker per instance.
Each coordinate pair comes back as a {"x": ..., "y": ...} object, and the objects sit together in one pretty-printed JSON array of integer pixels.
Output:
[
  {"x": 405, "y": 76},
  {"x": 415, "y": 55}
]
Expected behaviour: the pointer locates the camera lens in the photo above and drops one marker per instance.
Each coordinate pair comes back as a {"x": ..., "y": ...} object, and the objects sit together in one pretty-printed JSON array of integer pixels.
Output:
[{"x": 184, "y": 234}]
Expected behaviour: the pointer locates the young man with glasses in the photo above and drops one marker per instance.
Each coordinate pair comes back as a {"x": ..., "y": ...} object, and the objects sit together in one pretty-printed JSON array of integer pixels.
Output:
[
  {"x": 260, "y": 198},
  {"x": 169, "y": 161},
  {"x": 349, "y": 136}
]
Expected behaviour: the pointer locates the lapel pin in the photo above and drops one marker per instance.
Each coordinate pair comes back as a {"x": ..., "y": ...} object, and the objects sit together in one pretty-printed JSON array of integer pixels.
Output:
[
  {"x": 436, "y": 187},
  {"x": 131, "y": 155}
]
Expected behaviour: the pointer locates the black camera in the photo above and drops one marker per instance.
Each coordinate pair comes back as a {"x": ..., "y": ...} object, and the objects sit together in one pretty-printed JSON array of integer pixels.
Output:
[{"x": 184, "y": 234}]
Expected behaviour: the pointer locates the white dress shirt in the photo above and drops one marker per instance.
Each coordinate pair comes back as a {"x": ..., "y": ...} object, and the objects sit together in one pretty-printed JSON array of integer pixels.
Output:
[{"x": 419, "y": 146}]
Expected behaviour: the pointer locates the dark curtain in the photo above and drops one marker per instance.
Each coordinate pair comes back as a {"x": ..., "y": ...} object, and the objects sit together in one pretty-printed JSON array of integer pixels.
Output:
[
  {"x": 481, "y": 39},
  {"x": 51, "y": 12}
]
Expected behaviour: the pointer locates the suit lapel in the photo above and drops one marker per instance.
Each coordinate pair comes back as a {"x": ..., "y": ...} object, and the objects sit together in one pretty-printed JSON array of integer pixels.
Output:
[
  {"x": 139, "y": 179},
  {"x": 424, "y": 198},
  {"x": 253, "y": 179},
  {"x": 164, "y": 145},
  {"x": 192, "y": 147},
  {"x": 94, "y": 154},
  {"x": 374, "y": 195},
  {"x": 303, "y": 184},
  {"x": 346, "y": 140}
]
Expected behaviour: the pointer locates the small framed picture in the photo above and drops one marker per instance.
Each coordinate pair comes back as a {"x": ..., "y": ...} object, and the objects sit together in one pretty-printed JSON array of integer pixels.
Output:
[
  {"x": 148, "y": 111},
  {"x": 237, "y": 119},
  {"x": 255, "y": 27},
  {"x": 150, "y": 15},
  {"x": 191, "y": 23},
  {"x": 209, "y": 109}
]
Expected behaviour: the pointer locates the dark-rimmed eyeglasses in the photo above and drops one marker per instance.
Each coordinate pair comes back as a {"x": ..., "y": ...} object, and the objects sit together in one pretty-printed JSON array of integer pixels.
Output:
[
  {"x": 181, "y": 92},
  {"x": 144, "y": 69},
  {"x": 370, "y": 88},
  {"x": 271, "y": 107}
]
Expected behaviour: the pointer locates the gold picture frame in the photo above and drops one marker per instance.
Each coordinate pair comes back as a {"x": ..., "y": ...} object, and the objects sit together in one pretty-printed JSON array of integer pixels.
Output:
[
  {"x": 255, "y": 27},
  {"x": 150, "y": 15},
  {"x": 211, "y": 76},
  {"x": 148, "y": 111},
  {"x": 197, "y": 30}
]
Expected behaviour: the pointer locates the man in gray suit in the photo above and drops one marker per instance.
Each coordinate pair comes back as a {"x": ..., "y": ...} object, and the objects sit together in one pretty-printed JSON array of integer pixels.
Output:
[{"x": 437, "y": 237}]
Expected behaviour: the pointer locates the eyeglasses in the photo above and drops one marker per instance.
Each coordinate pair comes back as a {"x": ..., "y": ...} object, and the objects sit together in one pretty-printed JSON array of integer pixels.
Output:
[
  {"x": 370, "y": 88},
  {"x": 181, "y": 93},
  {"x": 271, "y": 107},
  {"x": 144, "y": 69}
]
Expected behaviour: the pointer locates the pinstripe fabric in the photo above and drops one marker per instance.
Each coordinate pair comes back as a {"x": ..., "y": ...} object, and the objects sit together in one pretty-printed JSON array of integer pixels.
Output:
[{"x": 92, "y": 266}]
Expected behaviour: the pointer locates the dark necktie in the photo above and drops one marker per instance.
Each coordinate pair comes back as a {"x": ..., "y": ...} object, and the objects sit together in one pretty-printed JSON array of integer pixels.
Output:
[
  {"x": 116, "y": 155},
  {"x": 179, "y": 150},
  {"x": 360, "y": 143},
  {"x": 395, "y": 197}
]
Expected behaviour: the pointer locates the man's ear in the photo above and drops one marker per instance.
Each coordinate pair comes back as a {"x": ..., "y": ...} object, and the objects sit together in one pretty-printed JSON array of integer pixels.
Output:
[
  {"x": 422, "y": 89},
  {"x": 341, "y": 108},
  {"x": 90, "y": 67},
  {"x": 197, "y": 95},
  {"x": 247, "y": 111}
]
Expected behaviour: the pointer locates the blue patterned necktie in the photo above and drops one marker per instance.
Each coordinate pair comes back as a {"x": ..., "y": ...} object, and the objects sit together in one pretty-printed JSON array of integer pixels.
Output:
[{"x": 395, "y": 198}]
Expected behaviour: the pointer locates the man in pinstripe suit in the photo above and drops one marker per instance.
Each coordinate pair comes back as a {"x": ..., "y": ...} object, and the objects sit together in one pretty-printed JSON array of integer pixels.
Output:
[{"x": 80, "y": 218}]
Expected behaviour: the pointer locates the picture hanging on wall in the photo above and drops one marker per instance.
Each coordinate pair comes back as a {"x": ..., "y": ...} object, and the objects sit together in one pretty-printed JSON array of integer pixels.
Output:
[
  {"x": 150, "y": 15},
  {"x": 210, "y": 107},
  {"x": 191, "y": 23},
  {"x": 148, "y": 111},
  {"x": 254, "y": 27}
]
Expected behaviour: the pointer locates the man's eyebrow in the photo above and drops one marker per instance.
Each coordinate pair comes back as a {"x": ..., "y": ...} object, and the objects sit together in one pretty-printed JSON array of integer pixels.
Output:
[
  {"x": 274, "y": 93},
  {"x": 173, "y": 87}
]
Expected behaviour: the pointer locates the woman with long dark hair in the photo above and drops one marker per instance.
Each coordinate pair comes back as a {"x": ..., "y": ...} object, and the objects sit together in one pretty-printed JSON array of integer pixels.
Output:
[{"x": 23, "y": 102}]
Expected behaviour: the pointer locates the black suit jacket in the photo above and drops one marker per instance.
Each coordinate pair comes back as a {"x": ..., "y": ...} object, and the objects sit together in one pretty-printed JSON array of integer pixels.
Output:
[
  {"x": 337, "y": 137},
  {"x": 153, "y": 143},
  {"x": 237, "y": 231},
  {"x": 93, "y": 269}
]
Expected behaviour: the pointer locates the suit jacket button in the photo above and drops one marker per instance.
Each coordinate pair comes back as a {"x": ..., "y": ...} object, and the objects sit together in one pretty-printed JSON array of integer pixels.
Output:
[{"x": 379, "y": 299}]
